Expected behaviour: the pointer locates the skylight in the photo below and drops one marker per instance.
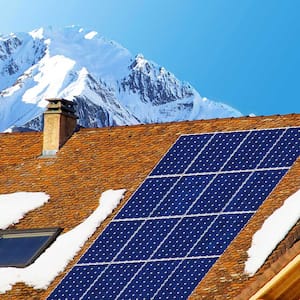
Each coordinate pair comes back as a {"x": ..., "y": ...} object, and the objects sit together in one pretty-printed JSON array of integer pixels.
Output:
[{"x": 19, "y": 248}]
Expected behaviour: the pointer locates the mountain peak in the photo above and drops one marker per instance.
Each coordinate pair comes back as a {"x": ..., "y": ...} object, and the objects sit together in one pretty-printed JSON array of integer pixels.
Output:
[
  {"x": 37, "y": 33},
  {"x": 112, "y": 86}
]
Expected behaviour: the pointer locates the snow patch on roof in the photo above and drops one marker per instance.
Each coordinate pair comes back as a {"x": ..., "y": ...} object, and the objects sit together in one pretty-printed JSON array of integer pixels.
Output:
[
  {"x": 62, "y": 251},
  {"x": 273, "y": 230},
  {"x": 14, "y": 206}
]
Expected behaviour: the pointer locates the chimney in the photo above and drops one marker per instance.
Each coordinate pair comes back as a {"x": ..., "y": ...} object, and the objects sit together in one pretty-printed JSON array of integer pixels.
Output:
[{"x": 59, "y": 124}]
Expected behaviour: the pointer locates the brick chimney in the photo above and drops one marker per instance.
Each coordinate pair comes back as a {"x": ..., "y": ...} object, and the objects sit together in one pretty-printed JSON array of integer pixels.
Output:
[{"x": 59, "y": 124}]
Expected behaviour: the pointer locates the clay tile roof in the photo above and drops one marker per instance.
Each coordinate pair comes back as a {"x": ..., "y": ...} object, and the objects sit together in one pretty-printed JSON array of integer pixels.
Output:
[{"x": 95, "y": 160}]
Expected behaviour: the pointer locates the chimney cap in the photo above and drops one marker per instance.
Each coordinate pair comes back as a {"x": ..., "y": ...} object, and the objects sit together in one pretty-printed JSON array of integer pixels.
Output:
[
  {"x": 65, "y": 101},
  {"x": 61, "y": 105}
]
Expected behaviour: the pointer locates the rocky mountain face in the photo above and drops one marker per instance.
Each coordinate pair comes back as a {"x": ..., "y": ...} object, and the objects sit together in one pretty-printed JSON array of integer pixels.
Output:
[{"x": 110, "y": 86}]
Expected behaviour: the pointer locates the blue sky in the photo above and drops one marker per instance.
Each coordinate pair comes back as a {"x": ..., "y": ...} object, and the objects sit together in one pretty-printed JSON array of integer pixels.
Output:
[{"x": 243, "y": 53}]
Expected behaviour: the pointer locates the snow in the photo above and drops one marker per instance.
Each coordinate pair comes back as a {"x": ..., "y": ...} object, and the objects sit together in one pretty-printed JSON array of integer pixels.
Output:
[
  {"x": 47, "y": 63},
  {"x": 14, "y": 206},
  {"x": 140, "y": 61},
  {"x": 37, "y": 34},
  {"x": 273, "y": 230},
  {"x": 50, "y": 79},
  {"x": 90, "y": 35},
  {"x": 62, "y": 251}
]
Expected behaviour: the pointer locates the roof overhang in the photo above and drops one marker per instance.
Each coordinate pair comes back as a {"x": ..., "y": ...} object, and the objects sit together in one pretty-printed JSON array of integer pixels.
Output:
[{"x": 284, "y": 285}]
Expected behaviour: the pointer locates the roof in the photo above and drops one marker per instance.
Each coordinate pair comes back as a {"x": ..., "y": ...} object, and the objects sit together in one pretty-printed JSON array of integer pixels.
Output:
[{"x": 95, "y": 160}]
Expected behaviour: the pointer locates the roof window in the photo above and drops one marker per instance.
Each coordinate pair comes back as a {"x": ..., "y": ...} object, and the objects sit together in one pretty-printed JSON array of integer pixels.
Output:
[{"x": 20, "y": 248}]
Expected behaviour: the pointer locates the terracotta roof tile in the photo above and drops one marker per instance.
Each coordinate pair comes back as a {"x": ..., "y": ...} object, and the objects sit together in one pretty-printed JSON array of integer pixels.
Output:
[{"x": 95, "y": 160}]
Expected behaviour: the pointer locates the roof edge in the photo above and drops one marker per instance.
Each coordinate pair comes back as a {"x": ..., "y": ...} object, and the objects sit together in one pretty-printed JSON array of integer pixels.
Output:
[{"x": 276, "y": 280}]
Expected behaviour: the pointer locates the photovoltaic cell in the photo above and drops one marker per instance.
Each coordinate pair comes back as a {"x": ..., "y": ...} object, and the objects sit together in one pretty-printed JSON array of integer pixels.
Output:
[
  {"x": 77, "y": 282},
  {"x": 217, "y": 152},
  {"x": 148, "y": 280},
  {"x": 181, "y": 154},
  {"x": 112, "y": 281},
  {"x": 110, "y": 241},
  {"x": 146, "y": 198},
  {"x": 255, "y": 190},
  {"x": 182, "y": 195},
  {"x": 183, "y": 217},
  {"x": 147, "y": 239},
  {"x": 185, "y": 278},
  {"x": 253, "y": 150},
  {"x": 184, "y": 237},
  {"x": 219, "y": 192},
  {"x": 286, "y": 151},
  {"x": 220, "y": 234}
]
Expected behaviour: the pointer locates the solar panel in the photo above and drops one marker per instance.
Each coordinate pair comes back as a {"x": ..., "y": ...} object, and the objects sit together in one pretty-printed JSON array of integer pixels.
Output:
[
  {"x": 286, "y": 151},
  {"x": 183, "y": 216},
  {"x": 112, "y": 281},
  {"x": 219, "y": 191},
  {"x": 253, "y": 149},
  {"x": 184, "y": 278},
  {"x": 255, "y": 190},
  {"x": 146, "y": 198},
  {"x": 106, "y": 246},
  {"x": 184, "y": 192},
  {"x": 181, "y": 240},
  {"x": 142, "y": 286},
  {"x": 181, "y": 154},
  {"x": 146, "y": 240},
  {"x": 217, "y": 152}
]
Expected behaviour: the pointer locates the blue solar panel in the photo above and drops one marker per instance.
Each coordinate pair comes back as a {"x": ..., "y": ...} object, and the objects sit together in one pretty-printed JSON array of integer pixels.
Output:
[
  {"x": 218, "y": 193},
  {"x": 255, "y": 190},
  {"x": 186, "y": 277},
  {"x": 183, "y": 217},
  {"x": 110, "y": 241},
  {"x": 181, "y": 154},
  {"x": 182, "y": 195},
  {"x": 77, "y": 282},
  {"x": 253, "y": 150},
  {"x": 146, "y": 198},
  {"x": 220, "y": 234},
  {"x": 285, "y": 152},
  {"x": 146, "y": 240},
  {"x": 112, "y": 281},
  {"x": 181, "y": 240},
  {"x": 217, "y": 152},
  {"x": 148, "y": 280}
]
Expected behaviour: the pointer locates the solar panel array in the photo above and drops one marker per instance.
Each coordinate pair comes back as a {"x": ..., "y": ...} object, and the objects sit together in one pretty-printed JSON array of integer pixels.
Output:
[{"x": 183, "y": 216}]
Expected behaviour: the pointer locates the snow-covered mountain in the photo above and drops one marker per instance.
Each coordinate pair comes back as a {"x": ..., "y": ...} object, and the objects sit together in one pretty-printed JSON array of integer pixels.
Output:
[{"x": 109, "y": 84}]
